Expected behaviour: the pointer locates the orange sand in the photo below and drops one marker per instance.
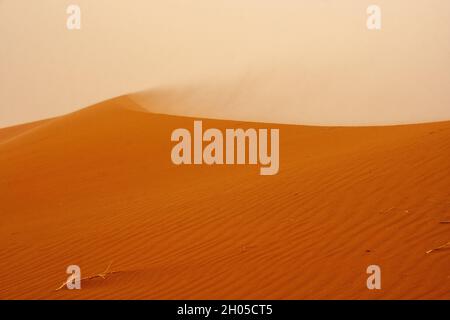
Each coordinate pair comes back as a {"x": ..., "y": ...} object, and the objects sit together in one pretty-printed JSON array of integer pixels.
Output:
[{"x": 98, "y": 186}]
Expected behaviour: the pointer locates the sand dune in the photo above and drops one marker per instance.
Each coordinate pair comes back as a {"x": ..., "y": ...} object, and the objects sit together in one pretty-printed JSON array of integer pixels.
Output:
[{"x": 98, "y": 185}]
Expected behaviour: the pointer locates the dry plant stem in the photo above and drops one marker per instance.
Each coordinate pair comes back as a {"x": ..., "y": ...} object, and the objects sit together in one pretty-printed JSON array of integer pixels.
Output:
[
  {"x": 444, "y": 246},
  {"x": 102, "y": 275}
]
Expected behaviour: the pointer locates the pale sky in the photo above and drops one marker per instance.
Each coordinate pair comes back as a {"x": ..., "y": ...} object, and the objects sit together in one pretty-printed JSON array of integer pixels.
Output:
[{"x": 292, "y": 61}]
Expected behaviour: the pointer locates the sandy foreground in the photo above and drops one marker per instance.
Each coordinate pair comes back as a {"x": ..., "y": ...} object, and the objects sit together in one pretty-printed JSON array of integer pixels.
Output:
[{"x": 98, "y": 186}]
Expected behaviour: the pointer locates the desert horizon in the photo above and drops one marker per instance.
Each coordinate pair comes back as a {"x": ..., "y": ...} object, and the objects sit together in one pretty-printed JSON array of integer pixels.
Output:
[{"x": 303, "y": 62}]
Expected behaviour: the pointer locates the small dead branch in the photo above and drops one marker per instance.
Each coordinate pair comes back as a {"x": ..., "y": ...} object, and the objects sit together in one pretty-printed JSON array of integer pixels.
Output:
[
  {"x": 443, "y": 247},
  {"x": 70, "y": 279},
  {"x": 444, "y": 222},
  {"x": 102, "y": 275}
]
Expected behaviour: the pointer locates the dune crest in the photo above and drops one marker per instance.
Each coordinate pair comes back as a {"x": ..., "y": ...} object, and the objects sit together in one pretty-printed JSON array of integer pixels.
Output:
[{"x": 300, "y": 95}]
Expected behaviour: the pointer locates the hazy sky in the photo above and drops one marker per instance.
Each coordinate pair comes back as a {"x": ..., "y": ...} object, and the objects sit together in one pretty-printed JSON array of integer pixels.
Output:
[{"x": 296, "y": 61}]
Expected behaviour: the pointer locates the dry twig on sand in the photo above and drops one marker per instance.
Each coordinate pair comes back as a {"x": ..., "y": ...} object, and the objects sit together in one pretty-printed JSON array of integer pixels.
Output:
[
  {"x": 444, "y": 222},
  {"x": 102, "y": 275},
  {"x": 443, "y": 247}
]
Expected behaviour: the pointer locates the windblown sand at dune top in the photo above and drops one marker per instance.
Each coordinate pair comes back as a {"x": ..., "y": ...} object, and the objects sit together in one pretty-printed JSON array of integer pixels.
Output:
[{"x": 97, "y": 186}]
